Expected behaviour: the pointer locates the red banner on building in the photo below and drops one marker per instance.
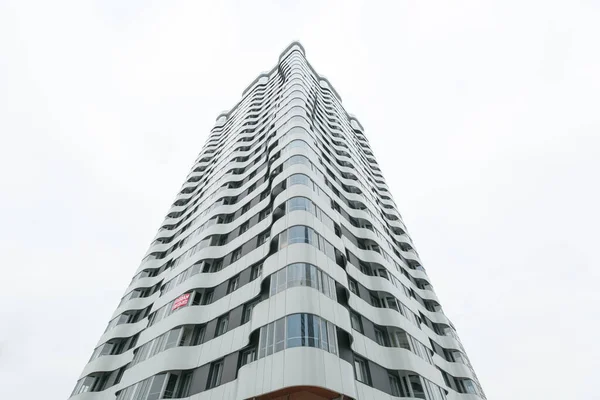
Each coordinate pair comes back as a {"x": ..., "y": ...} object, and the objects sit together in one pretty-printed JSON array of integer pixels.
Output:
[{"x": 181, "y": 301}]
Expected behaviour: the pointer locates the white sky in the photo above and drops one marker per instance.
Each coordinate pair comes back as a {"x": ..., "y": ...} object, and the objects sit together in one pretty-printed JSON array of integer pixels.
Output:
[{"x": 484, "y": 118}]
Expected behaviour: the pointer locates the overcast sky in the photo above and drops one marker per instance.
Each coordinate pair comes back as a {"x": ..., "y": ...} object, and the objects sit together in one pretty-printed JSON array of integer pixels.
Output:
[{"x": 484, "y": 118}]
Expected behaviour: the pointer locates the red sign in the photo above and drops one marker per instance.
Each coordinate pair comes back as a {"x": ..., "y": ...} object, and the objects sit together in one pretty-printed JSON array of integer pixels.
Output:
[{"x": 181, "y": 301}]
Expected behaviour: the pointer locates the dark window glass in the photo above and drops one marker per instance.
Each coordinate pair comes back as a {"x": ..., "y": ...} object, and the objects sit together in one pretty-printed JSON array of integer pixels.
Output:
[
  {"x": 222, "y": 325},
  {"x": 355, "y": 322},
  {"x": 214, "y": 376},
  {"x": 256, "y": 271},
  {"x": 234, "y": 284},
  {"x": 361, "y": 369},
  {"x": 236, "y": 255},
  {"x": 247, "y": 356},
  {"x": 208, "y": 296}
]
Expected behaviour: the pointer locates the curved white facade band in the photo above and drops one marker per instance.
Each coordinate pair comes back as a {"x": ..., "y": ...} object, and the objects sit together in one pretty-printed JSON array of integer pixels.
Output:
[{"x": 283, "y": 270}]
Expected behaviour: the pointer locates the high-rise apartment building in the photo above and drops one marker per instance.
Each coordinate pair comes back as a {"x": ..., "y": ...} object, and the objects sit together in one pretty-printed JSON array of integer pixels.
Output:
[{"x": 283, "y": 270}]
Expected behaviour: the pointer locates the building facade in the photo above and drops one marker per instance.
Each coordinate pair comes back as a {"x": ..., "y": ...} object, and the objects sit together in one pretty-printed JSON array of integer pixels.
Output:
[{"x": 283, "y": 270}]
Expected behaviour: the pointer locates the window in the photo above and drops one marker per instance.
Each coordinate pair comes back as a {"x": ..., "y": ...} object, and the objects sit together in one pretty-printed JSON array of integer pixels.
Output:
[
  {"x": 263, "y": 237},
  {"x": 300, "y": 203},
  {"x": 355, "y": 322},
  {"x": 256, "y": 271},
  {"x": 198, "y": 335},
  {"x": 263, "y": 214},
  {"x": 264, "y": 195},
  {"x": 214, "y": 376},
  {"x": 196, "y": 298},
  {"x": 234, "y": 283},
  {"x": 170, "y": 387},
  {"x": 302, "y": 274},
  {"x": 297, "y": 143},
  {"x": 247, "y": 356},
  {"x": 251, "y": 188},
  {"x": 417, "y": 386},
  {"x": 380, "y": 337},
  {"x": 304, "y": 234},
  {"x": 299, "y": 179},
  {"x": 297, "y": 330},
  {"x": 300, "y": 234},
  {"x": 84, "y": 385},
  {"x": 247, "y": 314},
  {"x": 434, "y": 392},
  {"x": 156, "y": 387},
  {"x": 383, "y": 273},
  {"x": 395, "y": 386},
  {"x": 361, "y": 369},
  {"x": 400, "y": 339},
  {"x": 245, "y": 208},
  {"x": 365, "y": 269},
  {"x": 237, "y": 253},
  {"x": 216, "y": 266},
  {"x": 208, "y": 296},
  {"x": 391, "y": 303},
  {"x": 244, "y": 227},
  {"x": 375, "y": 301},
  {"x": 222, "y": 325},
  {"x": 353, "y": 286},
  {"x": 184, "y": 387}
]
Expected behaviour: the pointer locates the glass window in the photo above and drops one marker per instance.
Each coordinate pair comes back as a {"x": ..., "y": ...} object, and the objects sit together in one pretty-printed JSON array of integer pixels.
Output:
[
  {"x": 262, "y": 346},
  {"x": 84, "y": 385},
  {"x": 469, "y": 386},
  {"x": 353, "y": 286},
  {"x": 299, "y": 179},
  {"x": 417, "y": 386},
  {"x": 280, "y": 279},
  {"x": 233, "y": 284},
  {"x": 214, "y": 376},
  {"x": 294, "y": 330},
  {"x": 298, "y": 234},
  {"x": 297, "y": 330},
  {"x": 270, "y": 337},
  {"x": 156, "y": 387},
  {"x": 263, "y": 237},
  {"x": 184, "y": 387},
  {"x": 207, "y": 297},
  {"x": 170, "y": 387},
  {"x": 401, "y": 340},
  {"x": 311, "y": 335},
  {"x": 256, "y": 271},
  {"x": 380, "y": 337},
  {"x": 300, "y": 203},
  {"x": 247, "y": 356},
  {"x": 395, "y": 386},
  {"x": 198, "y": 335},
  {"x": 375, "y": 301},
  {"x": 361, "y": 370},
  {"x": 329, "y": 250},
  {"x": 297, "y": 159},
  {"x": 332, "y": 337},
  {"x": 248, "y": 311},
  {"x": 236, "y": 255},
  {"x": 172, "y": 338},
  {"x": 391, "y": 303},
  {"x": 279, "y": 335},
  {"x": 297, "y": 143},
  {"x": 302, "y": 274},
  {"x": 222, "y": 325},
  {"x": 355, "y": 322}
]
